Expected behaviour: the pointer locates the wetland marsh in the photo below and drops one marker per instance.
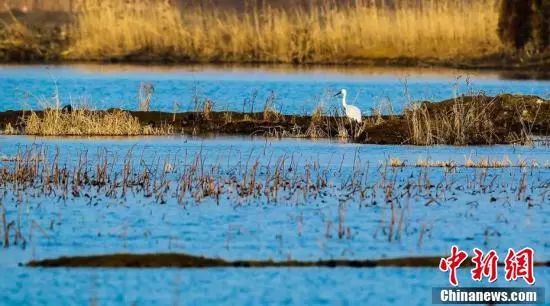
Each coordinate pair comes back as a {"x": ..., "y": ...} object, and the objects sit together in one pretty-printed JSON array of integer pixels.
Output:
[
  {"x": 250, "y": 198},
  {"x": 274, "y": 152}
]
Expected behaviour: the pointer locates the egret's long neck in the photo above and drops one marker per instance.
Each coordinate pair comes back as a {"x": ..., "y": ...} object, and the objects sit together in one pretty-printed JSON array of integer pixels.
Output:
[{"x": 344, "y": 99}]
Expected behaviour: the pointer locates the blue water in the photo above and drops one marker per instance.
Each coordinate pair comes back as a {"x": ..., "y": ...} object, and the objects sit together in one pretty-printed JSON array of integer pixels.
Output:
[
  {"x": 312, "y": 286},
  {"x": 297, "y": 91},
  {"x": 259, "y": 230}
]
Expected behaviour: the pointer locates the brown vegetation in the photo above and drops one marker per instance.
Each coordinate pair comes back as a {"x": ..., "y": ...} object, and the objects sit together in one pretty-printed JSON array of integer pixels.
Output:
[
  {"x": 85, "y": 122},
  {"x": 465, "y": 120},
  {"x": 478, "y": 119},
  {"x": 190, "y": 180},
  {"x": 525, "y": 24},
  {"x": 327, "y": 32},
  {"x": 372, "y": 32},
  {"x": 22, "y": 42},
  {"x": 190, "y": 261}
]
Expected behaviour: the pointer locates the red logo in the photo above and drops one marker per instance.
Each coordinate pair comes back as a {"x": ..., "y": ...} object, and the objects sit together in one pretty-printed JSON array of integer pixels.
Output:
[
  {"x": 520, "y": 264},
  {"x": 452, "y": 263},
  {"x": 485, "y": 266},
  {"x": 517, "y": 265}
]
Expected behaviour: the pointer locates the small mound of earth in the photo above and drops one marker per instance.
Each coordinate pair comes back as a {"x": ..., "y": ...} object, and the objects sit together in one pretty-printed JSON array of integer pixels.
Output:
[{"x": 509, "y": 117}]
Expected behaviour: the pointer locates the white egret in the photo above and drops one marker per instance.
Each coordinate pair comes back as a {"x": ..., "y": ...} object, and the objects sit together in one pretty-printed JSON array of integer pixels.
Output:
[{"x": 352, "y": 112}]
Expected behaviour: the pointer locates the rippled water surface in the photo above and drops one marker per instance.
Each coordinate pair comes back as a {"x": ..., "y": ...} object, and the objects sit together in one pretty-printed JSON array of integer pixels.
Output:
[
  {"x": 485, "y": 208},
  {"x": 297, "y": 90},
  {"x": 295, "y": 227}
]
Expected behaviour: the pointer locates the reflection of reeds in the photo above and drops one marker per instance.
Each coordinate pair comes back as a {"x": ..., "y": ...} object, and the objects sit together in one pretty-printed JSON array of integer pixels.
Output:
[{"x": 328, "y": 33}]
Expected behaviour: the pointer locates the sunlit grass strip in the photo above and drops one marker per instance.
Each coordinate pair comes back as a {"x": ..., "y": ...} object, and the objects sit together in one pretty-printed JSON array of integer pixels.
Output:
[
  {"x": 327, "y": 34},
  {"x": 80, "y": 122},
  {"x": 483, "y": 162}
]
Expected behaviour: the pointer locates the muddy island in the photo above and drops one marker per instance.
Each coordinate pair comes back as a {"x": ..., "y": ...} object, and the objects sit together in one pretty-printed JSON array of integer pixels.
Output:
[{"x": 466, "y": 120}]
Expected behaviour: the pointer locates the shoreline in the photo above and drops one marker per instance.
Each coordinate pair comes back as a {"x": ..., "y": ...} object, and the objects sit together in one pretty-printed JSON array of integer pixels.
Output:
[
  {"x": 530, "y": 69},
  {"x": 504, "y": 119}
]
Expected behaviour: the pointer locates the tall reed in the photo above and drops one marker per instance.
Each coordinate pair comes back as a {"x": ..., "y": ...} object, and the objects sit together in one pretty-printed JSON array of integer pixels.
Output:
[
  {"x": 328, "y": 33},
  {"x": 461, "y": 123}
]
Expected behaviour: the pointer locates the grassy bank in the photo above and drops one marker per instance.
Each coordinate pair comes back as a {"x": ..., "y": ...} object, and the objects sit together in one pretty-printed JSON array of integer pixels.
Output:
[
  {"x": 466, "y": 120},
  {"x": 329, "y": 34},
  {"x": 444, "y": 32}
]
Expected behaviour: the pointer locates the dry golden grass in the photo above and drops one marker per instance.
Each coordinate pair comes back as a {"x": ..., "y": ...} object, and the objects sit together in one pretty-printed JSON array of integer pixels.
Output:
[
  {"x": 487, "y": 162},
  {"x": 462, "y": 124},
  {"x": 208, "y": 106},
  {"x": 270, "y": 112},
  {"x": 424, "y": 163},
  {"x": 315, "y": 129},
  {"x": 150, "y": 29},
  {"x": 82, "y": 121},
  {"x": 483, "y": 162},
  {"x": 395, "y": 162},
  {"x": 9, "y": 129},
  {"x": 18, "y": 39}
]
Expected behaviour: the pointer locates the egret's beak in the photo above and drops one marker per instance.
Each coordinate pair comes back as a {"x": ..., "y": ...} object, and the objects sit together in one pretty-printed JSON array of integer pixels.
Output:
[{"x": 339, "y": 93}]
